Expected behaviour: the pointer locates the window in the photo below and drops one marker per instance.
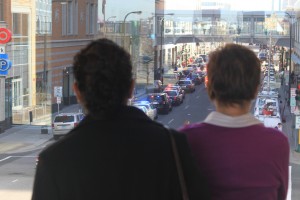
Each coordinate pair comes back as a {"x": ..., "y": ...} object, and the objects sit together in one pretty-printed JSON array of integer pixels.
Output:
[
  {"x": 91, "y": 17},
  {"x": 70, "y": 18},
  {"x": 1, "y": 10},
  {"x": 17, "y": 100}
]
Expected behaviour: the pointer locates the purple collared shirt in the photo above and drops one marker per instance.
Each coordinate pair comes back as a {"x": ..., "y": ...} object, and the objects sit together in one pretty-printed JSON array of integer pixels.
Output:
[{"x": 240, "y": 157}]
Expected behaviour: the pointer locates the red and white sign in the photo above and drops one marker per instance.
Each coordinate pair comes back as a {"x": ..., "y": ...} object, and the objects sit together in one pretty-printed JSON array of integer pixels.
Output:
[
  {"x": 58, "y": 100},
  {"x": 293, "y": 92},
  {"x": 5, "y": 35}
]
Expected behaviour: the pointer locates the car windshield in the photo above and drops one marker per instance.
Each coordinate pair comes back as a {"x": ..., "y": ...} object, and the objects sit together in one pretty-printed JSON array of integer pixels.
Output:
[
  {"x": 64, "y": 118},
  {"x": 171, "y": 93},
  {"x": 184, "y": 82}
]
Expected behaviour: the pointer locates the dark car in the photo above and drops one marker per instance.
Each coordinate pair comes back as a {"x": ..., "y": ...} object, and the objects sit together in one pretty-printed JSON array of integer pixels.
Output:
[
  {"x": 197, "y": 80},
  {"x": 262, "y": 56},
  {"x": 161, "y": 101},
  {"x": 176, "y": 97},
  {"x": 187, "y": 85}
]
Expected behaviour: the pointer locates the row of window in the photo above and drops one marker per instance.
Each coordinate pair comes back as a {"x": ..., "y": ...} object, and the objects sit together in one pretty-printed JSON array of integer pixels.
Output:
[{"x": 70, "y": 17}]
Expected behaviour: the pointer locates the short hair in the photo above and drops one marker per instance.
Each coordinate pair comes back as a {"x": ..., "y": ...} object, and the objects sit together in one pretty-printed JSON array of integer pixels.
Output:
[
  {"x": 233, "y": 75},
  {"x": 103, "y": 73}
]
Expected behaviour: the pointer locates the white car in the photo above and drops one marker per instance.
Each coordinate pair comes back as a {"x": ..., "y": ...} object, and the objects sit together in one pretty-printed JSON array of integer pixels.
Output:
[
  {"x": 64, "y": 123},
  {"x": 151, "y": 110},
  {"x": 267, "y": 111}
]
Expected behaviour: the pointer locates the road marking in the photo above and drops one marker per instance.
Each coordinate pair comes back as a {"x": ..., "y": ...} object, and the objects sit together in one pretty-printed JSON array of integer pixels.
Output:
[
  {"x": 197, "y": 97},
  {"x": 188, "y": 114},
  {"x": 23, "y": 156},
  {"x": 8, "y": 157},
  {"x": 186, "y": 107},
  {"x": 170, "y": 121},
  {"x": 289, "y": 192},
  {"x": 14, "y": 180}
]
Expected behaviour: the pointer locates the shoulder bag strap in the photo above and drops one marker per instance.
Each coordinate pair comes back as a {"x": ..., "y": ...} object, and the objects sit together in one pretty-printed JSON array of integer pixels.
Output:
[{"x": 185, "y": 195}]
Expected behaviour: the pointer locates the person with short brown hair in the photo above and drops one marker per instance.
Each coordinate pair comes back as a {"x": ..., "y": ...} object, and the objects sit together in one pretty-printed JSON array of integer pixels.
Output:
[{"x": 239, "y": 156}]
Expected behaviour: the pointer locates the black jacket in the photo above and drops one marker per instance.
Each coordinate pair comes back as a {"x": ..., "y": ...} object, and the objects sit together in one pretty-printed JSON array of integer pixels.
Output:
[{"x": 127, "y": 158}]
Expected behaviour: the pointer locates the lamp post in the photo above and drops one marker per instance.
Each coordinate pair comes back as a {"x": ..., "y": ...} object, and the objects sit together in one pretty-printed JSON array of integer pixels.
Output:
[
  {"x": 105, "y": 29},
  {"x": 158, "y": 75},
  {"x": 124, "y": 27},
  {"x": 111, "y": 18},
  {"x": 290, "y": 55}
]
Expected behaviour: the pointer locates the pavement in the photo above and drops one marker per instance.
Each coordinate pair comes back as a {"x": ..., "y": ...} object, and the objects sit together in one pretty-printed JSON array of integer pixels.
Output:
[
  {"x": 30, "y": 137},
  {"x": 26, "y": 138}
]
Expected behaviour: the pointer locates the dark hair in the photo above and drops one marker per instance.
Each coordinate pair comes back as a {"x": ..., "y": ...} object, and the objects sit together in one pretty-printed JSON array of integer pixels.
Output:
[
  {"x": 233, "y": 75},
  {"x": 103, "y": 73}
]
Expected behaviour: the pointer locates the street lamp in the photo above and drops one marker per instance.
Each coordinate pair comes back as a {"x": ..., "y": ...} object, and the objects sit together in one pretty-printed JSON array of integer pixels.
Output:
[
  {"x": 290, "y": 54},
  {"x": 160, "y": 70},
  {"x": 105, "y": 28},
  {"x": 124, "y": 27},
  {"x": 111, "y": 18}
]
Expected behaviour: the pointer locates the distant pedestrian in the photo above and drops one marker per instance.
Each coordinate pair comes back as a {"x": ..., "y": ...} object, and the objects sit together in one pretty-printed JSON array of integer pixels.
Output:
[
  {"x": 292, "y": 77},
  {"x": 239, "y": 156}
]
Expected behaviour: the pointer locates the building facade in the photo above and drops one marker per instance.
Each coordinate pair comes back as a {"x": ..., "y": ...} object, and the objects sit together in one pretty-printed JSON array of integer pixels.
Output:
[{"x": 46, "y": 34}]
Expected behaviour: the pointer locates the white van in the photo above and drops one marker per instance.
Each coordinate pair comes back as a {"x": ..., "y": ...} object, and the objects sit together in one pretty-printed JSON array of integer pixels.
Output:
[{"x": 64, "y": 123}]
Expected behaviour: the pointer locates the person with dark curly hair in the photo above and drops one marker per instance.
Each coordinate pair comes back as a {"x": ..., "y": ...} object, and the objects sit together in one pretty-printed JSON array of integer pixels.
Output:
[
  {"x": 238, "y": 155},
  {"x": 116, "y": 152}
]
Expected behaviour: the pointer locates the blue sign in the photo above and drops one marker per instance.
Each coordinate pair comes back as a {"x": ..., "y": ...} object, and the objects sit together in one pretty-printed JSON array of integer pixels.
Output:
[{"x": 5, "y": 64}]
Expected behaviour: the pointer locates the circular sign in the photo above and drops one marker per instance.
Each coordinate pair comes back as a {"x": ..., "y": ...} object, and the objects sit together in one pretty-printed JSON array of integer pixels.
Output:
[
  {"x": 3, "y": 65},
  {"x": 5, "y": 35}
]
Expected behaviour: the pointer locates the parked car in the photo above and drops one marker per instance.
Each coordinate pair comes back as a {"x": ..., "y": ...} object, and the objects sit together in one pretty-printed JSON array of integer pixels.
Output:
[
  {"x": 64, "y": 123},
  {"x": 161, "y": 101},
  {"x": 176, "y": 97},
  {"x": 151, "y": 109},
  {"x": 187, "y": 85},
  {"x": 142, "y": 108}
]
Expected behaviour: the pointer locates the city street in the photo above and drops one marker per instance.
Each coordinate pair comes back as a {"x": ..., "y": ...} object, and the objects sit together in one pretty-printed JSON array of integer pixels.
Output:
[{"x": 20, "y": 145}]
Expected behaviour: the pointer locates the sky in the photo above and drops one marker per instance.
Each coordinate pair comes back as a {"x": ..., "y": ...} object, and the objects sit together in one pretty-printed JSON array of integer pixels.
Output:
[
  {"x": 120, "y": 8},
  {"x": 236, "y": 4}
]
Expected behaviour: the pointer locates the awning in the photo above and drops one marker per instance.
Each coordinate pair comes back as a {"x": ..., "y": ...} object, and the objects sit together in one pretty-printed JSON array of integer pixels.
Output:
[
  {"x": 295, "y": 59},
  {"x": 284, "y": 42}
]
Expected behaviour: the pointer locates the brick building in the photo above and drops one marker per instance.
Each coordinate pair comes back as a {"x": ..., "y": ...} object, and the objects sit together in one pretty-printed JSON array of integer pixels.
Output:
[{"x": 46, "y": 34}]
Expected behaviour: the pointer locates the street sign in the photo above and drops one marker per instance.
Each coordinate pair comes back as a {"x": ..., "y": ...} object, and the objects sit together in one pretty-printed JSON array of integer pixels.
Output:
[
  {"x": 58, "y": 100},
  {"x": 57, "y": 91},
  {"x": 297, "y": 122},
  {"x": 293, "y": 92},
  {"x": 2, "y": 49},
  {"x": 292, "y": 101},
  {"x": 296, "y": 111},
  {"x": 5, "y": 36}
]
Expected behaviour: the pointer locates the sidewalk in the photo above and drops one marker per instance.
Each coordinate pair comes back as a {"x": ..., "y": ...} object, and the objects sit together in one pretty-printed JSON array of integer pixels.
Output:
[
  {"x": 288, "y": 126},
  {"x": 25, "y": 138}
]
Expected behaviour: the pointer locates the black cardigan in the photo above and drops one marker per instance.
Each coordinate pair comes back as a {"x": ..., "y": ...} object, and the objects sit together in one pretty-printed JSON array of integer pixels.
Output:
[{"x": 128, "y": 157}]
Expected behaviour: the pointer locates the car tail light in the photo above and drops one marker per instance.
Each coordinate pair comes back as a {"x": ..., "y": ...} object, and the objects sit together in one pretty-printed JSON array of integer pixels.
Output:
[
  {"x": 52, "y": 125},
  {"x": 75, "y": 124}
]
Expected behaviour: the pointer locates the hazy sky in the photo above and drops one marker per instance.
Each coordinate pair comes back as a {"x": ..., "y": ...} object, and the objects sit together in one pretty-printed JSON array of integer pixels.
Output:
[{"x": 235, "y": 4}]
